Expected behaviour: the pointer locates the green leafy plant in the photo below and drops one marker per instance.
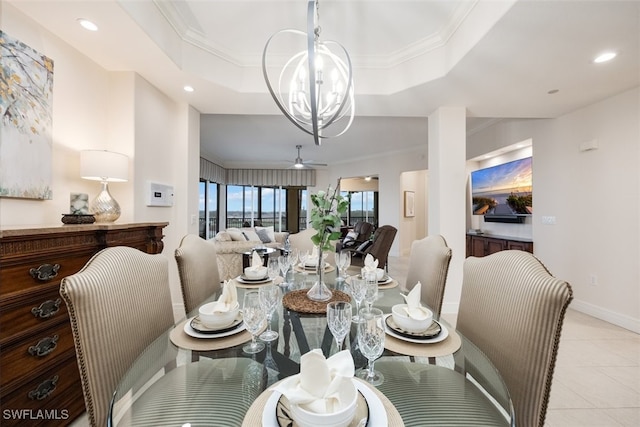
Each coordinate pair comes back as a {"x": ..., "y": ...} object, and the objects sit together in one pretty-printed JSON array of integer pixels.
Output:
[
  {"x": 520, "y": 203},
  {"x": 328, "y": 206}
]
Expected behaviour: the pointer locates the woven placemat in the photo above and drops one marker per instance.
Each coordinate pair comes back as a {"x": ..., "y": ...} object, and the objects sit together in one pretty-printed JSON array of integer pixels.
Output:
[
  {"x": 253, "y": 417},
  {"x": 300, "y": 269},
  {"x": 443, "y": 348},
  {"x": 299, "y": 302},
  {"x": 180, "y": 338}
]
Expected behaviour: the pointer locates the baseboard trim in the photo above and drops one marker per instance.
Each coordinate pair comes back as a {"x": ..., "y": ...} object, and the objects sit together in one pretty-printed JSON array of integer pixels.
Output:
[
  {"x": 583, "y": 307},
  {"x": 607, "y": 315}
]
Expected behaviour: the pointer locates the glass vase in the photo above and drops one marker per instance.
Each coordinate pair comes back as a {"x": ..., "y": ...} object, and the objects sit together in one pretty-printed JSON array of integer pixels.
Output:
[{"x": 319, "y": 291}]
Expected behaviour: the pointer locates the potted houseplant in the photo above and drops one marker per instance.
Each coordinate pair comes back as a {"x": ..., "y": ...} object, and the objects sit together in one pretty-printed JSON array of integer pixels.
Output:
[{"x": 328, "y": 207}]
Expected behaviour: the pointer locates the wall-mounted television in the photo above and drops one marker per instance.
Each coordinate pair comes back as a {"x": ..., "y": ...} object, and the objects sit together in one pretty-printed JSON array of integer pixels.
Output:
[{"x": 503, "y": 193}]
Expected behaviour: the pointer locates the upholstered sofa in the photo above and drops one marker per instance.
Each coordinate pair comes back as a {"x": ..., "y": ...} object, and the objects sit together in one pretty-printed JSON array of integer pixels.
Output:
[{"x": 231, "y": 242}]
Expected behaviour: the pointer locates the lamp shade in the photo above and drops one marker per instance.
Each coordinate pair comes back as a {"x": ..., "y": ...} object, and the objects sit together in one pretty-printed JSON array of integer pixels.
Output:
[{"x": 102, "y": 165}]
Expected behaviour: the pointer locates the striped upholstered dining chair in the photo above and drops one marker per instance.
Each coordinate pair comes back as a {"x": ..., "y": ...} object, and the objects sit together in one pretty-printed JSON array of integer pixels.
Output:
[
  {"x": 118, "y": 303},
  {"x": 429, "y": 264},
  {"x": 513, "y": 309},
  {"x": 198, "y": 270}
]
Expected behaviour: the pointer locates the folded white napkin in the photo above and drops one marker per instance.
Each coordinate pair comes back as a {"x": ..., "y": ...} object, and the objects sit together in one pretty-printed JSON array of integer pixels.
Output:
[
  {"x": 316, "y": 388},
  {"x": 256, "y": 261},
  {"x": 415, "y": 310},
  {"x": 313, "y": 258},
  {"x": 228, "y": 300},
  {"x": 370, "y": 264}
]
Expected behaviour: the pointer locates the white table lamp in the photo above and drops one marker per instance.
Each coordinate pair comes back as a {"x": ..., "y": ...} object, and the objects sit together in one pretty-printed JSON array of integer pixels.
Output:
[{"x": 104, "y": 166}]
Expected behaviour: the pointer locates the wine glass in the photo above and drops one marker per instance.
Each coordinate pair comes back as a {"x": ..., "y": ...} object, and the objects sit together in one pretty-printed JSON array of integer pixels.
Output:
[
  {"x": 341, "y": 261},
  {"x": 371, "y": 342},
  {"x": 284, "y": 262},
  {"x": 339, "y": 320},
  {"x": 273, "y": 268},
  {"x": 371, "y": 288},
  {"x": 303, "y": 256},
  {"x": 269, "y": 296},
  {"x": 254, "y": 317},
  {"x": 358, "y": 289},
  {"x": 293, "y": 256}
]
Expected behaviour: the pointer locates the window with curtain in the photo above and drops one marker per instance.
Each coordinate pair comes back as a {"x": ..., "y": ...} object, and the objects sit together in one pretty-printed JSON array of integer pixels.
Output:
[
  {"x": 258, "y": 205},
  {"x": 209, "y": 203}
]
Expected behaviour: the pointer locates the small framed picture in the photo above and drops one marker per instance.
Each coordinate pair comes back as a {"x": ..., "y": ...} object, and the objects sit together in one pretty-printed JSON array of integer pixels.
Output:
[{"x": 409, "y": 204}]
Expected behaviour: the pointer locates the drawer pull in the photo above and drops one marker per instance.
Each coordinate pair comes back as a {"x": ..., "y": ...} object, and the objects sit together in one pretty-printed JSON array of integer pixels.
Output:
[
  {"x": 47, "y": 309},
  {"x": 45, "y": 272},
  {"x": 44, "y": 390},
  {"x": 44, "y": 346}
]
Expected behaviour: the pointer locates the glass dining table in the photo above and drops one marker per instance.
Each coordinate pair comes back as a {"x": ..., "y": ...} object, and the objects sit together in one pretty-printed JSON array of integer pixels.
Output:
[{"x": 187, "y": 380}]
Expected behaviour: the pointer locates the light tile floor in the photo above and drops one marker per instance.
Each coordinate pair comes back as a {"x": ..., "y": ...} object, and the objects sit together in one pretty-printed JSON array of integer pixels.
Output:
[{"x": 597, "y": 375}]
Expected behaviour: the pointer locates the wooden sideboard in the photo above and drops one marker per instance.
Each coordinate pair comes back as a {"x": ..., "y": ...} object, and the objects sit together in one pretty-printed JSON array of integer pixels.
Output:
[
  {"x": 480, "y": 245},
  {"x": 40, "y": 379}
]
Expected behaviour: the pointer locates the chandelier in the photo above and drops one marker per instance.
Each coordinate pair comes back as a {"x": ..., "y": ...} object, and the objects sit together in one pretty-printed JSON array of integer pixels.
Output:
[{"x": 315, "y": 87}]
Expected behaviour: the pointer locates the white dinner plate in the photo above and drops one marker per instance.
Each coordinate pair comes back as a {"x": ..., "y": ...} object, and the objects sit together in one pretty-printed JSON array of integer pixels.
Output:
[
  {"x": 377, "y": 414},
  {"x": 441, "y": 336},
  {"x": 193, "y": 333},
  {"x": 252, "y": 281}
]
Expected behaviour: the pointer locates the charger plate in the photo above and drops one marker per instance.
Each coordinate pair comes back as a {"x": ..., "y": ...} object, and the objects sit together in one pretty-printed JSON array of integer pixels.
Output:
[
  {"x": 180, "y": 338},
  {"x": 300, "y": 269},
  {"x": 448, "y": 346},
  {"x": 254, "y": 415}
]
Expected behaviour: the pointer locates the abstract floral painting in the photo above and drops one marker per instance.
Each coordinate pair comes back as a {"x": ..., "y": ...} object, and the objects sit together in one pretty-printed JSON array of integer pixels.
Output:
[{"x": 26, "y": 95}]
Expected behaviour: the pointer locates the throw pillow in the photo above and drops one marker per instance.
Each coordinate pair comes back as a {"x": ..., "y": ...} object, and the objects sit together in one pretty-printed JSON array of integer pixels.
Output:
[
  {"x": 351, "y": 235},
  {"x": 364, "y": 246},
  {"x": 263, "y": 235},
  {"x": 250, "y": 234},
  {"x": 223, "y": 236},
  {"x": 270, "y": 232},
  {"x": 236, "y": 235}
]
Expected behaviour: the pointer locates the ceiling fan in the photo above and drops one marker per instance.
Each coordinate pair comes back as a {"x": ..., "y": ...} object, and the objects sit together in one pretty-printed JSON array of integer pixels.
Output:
[{"x": 298, "y": 163}]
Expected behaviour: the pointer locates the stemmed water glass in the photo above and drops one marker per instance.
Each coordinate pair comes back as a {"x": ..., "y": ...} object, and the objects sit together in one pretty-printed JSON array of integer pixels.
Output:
[
  {"x": 303, "y": 256},
  {"x": 339, "y": 320},
  {"x": 285, "y": 263},
  {"x": 269, "y": 296},
  {"x": 371, "y": 343},
  {"x": 254, "y": 317},
  {"x": 358, "y": 289},
  {"x": 273, "y": 268},
  {"x": 371, "y": 288},
  {"x": 343, "y": 261}
]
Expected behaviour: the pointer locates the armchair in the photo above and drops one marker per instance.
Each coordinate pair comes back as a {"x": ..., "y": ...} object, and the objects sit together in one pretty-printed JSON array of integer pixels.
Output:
[
  {"x": 379, "y": 247},
  {"x": 361, "y": 233}
]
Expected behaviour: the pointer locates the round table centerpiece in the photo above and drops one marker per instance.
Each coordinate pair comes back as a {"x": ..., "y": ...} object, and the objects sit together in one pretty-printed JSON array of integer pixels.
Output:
[{"x": 328, "y": 207}]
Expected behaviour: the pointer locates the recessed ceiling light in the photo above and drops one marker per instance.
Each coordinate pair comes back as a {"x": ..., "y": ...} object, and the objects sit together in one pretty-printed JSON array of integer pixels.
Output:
[
  {"x": 604, "y": 57},
  {"x": 188, "y": 88},
  {"x": 87, "y": 25}
]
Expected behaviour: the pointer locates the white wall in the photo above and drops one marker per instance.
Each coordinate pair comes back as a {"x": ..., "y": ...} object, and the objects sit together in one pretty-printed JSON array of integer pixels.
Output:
[
  {"x": 119, "y": 111},
  {"x": 79, "y": 122},
  {"x": 595, "y": 198},
  {"x": 412, "y": 228},
  {"x": 389, "y": 169}
]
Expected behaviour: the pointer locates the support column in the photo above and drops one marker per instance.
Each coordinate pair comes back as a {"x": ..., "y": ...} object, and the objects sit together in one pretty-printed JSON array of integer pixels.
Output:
[{"x": 447, "y": 181}]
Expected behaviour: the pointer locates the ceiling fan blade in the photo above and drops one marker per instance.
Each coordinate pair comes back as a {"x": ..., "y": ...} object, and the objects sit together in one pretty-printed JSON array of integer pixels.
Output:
[{"x": 312, "y": 163}]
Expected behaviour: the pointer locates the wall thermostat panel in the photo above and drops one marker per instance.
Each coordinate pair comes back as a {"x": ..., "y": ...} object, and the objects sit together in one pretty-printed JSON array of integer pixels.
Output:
[{"x": 159, "y": 194}]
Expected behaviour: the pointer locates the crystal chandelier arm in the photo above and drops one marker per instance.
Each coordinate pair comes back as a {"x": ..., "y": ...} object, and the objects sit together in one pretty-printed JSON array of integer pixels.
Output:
[
  {"x": 320, "y": 90},
  {"x": 311, "y": 48}
]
